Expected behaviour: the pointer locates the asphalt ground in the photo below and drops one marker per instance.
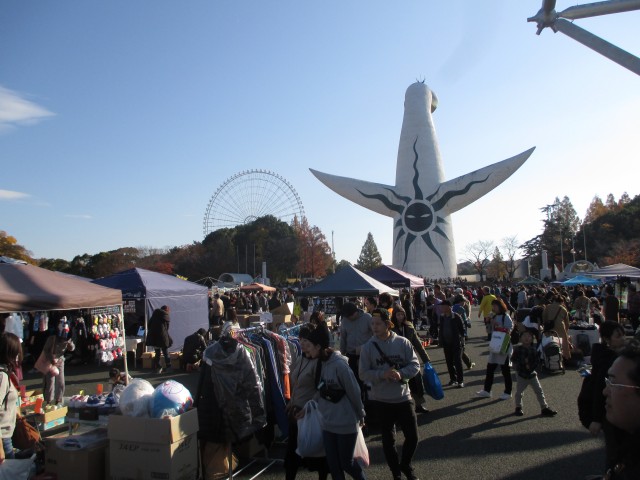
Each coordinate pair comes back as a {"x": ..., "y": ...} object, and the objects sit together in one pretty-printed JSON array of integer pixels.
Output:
[{"x": 463, "y": 437}]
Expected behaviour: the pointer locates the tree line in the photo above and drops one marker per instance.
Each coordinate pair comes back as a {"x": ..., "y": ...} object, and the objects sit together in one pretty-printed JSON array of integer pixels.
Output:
[{"x": 609, "y": 233}]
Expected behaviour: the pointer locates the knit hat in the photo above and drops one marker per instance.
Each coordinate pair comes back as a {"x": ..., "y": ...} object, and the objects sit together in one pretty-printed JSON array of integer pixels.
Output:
[{"x": 319, "y": 336}]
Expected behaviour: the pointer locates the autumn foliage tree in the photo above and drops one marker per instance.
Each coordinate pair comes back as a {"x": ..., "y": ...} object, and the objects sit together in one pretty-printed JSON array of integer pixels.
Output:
[
  {"x": 9, "y": 247},
  {"x": 314, "y": 252}
]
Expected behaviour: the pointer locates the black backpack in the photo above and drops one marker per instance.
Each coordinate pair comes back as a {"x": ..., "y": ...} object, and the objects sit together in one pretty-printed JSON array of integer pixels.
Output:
[{"x": 585, "y": 401}]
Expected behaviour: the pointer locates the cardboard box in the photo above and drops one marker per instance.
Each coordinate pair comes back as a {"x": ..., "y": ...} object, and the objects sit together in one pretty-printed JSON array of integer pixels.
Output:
[
  {"x": 151, "y": 448},
  {"x": 147, "y": 360},
  {"x": 87, "y": 462},
  {"x": 53, "y": 423},
  {"x": 52, "y": 415}
]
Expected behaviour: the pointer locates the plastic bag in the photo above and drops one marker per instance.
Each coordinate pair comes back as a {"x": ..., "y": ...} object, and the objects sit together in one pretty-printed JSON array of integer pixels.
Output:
[
  {"x": 12, "y": 469},
  {"x": 361, "y": 452},
  {"x": 170, "y": 399},
  {"x": 499, "y": 342},
  {"x": 136, "y": 398},
  {"x": 432, "y": 385},
  {"x": 310, "y": 442}
]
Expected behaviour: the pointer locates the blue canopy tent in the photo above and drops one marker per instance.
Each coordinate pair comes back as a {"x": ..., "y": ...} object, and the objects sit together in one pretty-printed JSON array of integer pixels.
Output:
[
  {"x": 395, "y": 278},
  {"x": 187, "y": 301},
  {"x": 347, "y": 282},
  {"x": 581, "y": 280}
]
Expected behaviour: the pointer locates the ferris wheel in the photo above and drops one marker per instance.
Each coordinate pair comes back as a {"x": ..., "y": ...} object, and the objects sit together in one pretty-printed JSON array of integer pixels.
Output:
[{"x": 249, "y": 195}]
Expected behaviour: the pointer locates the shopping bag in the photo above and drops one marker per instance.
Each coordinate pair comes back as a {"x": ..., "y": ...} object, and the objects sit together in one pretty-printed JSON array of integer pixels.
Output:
[
  {"x": 44, "y": 366},
  {"x": 499, "y": 342},
  {"x": 361, "y": 452},
  {"x": 310, "y": 442},
  {"x": 432, "y": 384},
  {"x": 12, "y": 469}
]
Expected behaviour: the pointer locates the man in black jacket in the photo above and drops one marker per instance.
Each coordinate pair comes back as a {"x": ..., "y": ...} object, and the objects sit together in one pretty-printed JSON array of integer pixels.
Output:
[{"x": 192, "y": 350}]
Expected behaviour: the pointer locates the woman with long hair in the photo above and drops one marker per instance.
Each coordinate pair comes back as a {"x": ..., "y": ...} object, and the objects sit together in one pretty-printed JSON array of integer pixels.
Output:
[
  {"x": 339, "y": 403},
  {"x": 404, "y": 328},
  {"x": 500, "y": 320},
  {"x": 10, "y": 360}
]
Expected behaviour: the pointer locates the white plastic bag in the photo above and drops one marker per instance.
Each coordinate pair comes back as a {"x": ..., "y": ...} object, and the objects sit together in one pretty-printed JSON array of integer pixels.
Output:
[
  {"x": 135, "y": 399},
  {"x": 361, "y": 452},
  {"x": 499, "y": 343},
  {"x": 310, "y": 442}
]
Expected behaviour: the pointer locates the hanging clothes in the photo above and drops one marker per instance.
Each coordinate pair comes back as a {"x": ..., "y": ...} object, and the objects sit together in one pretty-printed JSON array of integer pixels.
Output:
[{"x": 237, "y": 388}]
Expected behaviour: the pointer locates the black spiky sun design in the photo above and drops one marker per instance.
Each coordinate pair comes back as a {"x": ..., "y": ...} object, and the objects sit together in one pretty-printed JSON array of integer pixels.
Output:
[{"x": 420, "y": 216}]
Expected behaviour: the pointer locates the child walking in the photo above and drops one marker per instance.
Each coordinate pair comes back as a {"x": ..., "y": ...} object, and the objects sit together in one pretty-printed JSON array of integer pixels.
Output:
[{"x": 525, "y": 359}]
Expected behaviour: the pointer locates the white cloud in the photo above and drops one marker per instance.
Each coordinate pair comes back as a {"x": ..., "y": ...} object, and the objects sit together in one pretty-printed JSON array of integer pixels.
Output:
[
  {"x": 11, "y": 195},
  {"x": 16, "y": 110},
  {"x": 81, "y": 216}
]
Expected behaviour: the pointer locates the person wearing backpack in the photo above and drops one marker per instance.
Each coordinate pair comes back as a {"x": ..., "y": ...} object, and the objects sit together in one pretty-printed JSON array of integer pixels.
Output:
[{"x": 556, "y": 318}]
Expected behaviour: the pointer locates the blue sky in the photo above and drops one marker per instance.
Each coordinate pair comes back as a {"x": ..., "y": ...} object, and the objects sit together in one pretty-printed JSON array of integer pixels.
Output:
[{"x": 119, "y": 120}]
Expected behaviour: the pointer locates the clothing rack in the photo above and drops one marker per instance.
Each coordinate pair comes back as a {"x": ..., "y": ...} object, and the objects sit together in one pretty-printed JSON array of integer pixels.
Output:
[
  {"x": 285, "y": 332},
  {"x": 270, "y": 461}
]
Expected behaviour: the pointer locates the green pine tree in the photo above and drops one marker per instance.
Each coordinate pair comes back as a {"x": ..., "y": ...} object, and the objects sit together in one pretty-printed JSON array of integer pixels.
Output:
[{"x": 369, "y": 255}]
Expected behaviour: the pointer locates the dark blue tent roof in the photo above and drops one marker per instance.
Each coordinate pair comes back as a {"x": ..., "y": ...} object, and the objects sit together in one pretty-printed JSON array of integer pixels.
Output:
[
  {"x": 347, "y": 281},
  {"x": 140, "y": 283},
  {"x": 188, "y": 301}
]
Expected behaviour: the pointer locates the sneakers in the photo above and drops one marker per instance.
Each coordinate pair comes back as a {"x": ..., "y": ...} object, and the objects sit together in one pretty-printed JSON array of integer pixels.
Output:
[
  {"x": 483, "y": 394},
  {"x": 505, "y": 396},
  {"x": 453, "y": 383},
  {"x": 159, "y": 370},
  {"x": 461, "y": 385},
  {"x": 470, "y": 367},
  {"x": 547, "y": 412},
  {"x": 519, "y": 412},
  {"x": 421, "y": 409}
]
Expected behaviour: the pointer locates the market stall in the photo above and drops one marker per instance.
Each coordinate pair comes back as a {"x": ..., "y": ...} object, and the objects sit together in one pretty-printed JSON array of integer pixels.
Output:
[
  {"x": 396, "y": 278},
  {"x": 347, "y": 282},
  {"x": 145, "y": 291}
]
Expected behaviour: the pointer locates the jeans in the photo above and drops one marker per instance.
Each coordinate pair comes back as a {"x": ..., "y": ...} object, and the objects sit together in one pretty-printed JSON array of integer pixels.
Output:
[
  {"x": 453, "y": 357},
  {"x": 339, "y": 449},
  {"x": 405, "y": 416},
  {"x": 8, "y": 448},
  {"x": 54, "y": 385},
  {"x": 506, "y": 373},
  {"x": 156, "y": 359}
]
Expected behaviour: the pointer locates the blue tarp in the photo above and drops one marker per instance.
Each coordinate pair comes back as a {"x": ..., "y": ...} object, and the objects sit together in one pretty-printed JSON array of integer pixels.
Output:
[
  {"x": 581, "y": 280},
  {"x": 188, "y": 302}
]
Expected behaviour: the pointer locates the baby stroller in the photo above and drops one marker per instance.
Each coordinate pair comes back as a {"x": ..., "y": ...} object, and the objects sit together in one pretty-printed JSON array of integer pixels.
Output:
[{"x": 551, "y": 351}]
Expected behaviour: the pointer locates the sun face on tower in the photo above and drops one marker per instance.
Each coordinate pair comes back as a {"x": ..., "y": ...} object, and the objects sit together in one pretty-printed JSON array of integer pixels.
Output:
[{"x": 419, "y": 216}]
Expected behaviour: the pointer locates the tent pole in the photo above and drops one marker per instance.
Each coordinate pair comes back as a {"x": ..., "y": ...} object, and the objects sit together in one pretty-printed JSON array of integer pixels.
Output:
[{"x": 124, "y": 339}]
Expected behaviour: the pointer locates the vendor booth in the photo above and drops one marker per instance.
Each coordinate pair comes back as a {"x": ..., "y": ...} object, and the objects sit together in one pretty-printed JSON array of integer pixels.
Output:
[
  {"x": 347, "y": 282},
  {"x": 145, "y": 291},
  {"x": 396, "y": 278}
]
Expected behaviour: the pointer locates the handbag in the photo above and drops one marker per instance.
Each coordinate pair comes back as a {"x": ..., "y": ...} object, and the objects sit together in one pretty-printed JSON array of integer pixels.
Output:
[
  {"x": 25, "y": 435},
  {"x": 432, "y": 384},
  {"x": 310, "y": 443},
  {"x": 44, "y": 366}
]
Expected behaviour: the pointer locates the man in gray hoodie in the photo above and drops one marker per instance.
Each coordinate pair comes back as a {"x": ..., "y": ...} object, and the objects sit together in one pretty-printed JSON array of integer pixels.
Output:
[
  {"x": 355, "y": 331},
  {"x": 388, "y": 362}
]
